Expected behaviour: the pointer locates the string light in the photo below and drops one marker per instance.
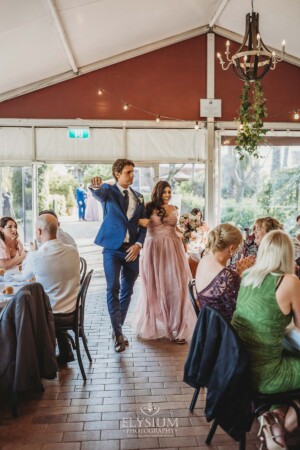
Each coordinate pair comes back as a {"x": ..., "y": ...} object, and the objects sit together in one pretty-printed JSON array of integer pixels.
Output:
[{"x": 100, "y": 91}]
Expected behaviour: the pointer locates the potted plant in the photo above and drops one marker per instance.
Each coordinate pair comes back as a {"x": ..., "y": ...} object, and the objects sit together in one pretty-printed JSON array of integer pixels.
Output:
[{"x": 250, "y": 120}]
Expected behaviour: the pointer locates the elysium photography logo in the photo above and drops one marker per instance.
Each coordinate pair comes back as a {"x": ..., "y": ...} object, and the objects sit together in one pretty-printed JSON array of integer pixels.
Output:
[{"x": 151, "y": 420}]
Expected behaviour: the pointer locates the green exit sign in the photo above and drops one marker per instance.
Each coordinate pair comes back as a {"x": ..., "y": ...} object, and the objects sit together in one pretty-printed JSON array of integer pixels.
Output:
[{"x": 79, "y": 133}]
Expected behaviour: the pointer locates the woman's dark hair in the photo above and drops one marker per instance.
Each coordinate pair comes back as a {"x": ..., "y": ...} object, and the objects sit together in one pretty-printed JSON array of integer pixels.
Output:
[
  {"x": 3, "y": 223},
  {"x": 156, "y": 200},
  {"x": 195, "y": 211}
]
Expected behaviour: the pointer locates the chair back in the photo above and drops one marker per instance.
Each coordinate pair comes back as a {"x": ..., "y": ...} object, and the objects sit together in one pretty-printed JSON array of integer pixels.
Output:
[
  {"x": 193, "y": 296},
  {"x": 80, "y": 303},
  {"x": 83, "y": 268}
]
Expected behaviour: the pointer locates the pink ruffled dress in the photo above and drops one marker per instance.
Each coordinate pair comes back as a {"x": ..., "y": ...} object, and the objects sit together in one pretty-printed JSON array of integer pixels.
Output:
[{"x": 164, "y": 309}]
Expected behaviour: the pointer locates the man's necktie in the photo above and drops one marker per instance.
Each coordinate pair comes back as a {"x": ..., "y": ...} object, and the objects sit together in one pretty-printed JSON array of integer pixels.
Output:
[{"x": 126, "y": 199}]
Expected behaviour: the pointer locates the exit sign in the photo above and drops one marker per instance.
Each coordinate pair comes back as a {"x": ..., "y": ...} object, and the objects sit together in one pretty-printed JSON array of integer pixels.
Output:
[{"x": 78, "y": 133}]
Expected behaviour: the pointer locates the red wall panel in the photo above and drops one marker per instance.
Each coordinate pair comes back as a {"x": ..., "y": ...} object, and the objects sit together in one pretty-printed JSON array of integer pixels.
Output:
[{"x": 167, "y": 82}]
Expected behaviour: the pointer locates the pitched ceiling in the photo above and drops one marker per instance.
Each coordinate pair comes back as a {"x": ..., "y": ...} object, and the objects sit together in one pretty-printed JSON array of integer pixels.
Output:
[{"x": 46, "y": 41}]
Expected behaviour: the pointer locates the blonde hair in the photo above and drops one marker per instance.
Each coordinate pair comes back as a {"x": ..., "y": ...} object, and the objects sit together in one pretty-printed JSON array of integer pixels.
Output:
[
  {"x": 275, "y": 254},
  {"x": 222, "y": 236},
  {"x": 268, "y": 224}
]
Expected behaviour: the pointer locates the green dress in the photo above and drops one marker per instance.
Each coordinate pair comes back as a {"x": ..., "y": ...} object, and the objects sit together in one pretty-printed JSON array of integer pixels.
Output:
[{"x": 261, "y": 325}]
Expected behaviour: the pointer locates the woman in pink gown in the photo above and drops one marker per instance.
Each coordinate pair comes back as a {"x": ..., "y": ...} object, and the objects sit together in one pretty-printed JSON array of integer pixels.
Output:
[{"x": 164, "y": 309}]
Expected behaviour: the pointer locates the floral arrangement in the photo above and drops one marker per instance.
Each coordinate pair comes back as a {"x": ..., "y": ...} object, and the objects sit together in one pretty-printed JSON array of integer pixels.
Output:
[{"x": 189, "y": 224}]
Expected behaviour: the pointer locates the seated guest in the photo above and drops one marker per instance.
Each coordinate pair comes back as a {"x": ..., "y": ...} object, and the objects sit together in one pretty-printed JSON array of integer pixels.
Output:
[
  {"x": 261, "y": 227},
  {"x": 62, "y": 235},
  {"x": 269, "y": 298},
  {"x": 217, "y": 285},
  {"x": 12, "y": 252},
  {"x": 203, "y": 227},
  {"x": 56, "y": 266}
]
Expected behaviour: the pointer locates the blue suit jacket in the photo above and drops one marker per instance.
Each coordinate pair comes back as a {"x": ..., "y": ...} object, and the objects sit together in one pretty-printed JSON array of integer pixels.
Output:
[
  {"x": 80, "y": 194},
  {"x": 115, "y": 222}
]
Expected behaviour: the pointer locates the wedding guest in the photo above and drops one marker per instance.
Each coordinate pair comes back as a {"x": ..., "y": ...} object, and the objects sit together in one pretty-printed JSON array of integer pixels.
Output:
[
  {"x": 203, "y": 227},
  {"x": 57, "y": 267},
  {"x": 122, "y": 239},
  {"x": 164, "y": 309},
  {"x": 62, "y": 235},
  {"x": 93, "y": 208},
  {"x": 216, "y": 284},
  {"x": 81, "y": 199},
  {"x": 268, "y": 300},
  {"x": 12, "y": 252},
  {"x": 261, "y": 227},
  {"x": 7, "y": 206}
]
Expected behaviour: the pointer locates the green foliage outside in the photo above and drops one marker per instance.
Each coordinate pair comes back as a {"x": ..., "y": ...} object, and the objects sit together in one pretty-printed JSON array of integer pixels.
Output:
[{"x": 43, "y": 188}]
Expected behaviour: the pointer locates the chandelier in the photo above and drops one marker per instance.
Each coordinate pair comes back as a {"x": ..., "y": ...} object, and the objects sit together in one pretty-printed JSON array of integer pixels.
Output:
[{"x": 253, "y": 59}]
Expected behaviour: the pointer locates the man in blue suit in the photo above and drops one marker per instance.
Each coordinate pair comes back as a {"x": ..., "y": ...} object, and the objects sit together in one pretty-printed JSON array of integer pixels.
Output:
[
  {"x": 81, "y": 198},
  {"x": 122, "y": 239}
]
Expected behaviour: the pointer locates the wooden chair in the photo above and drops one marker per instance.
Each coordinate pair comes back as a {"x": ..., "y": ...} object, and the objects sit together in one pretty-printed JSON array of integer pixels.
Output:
[
  {"x": 193, "y": 296},
  {"x": 77, "y": 326},
  {"x": 83, "y": 269}
]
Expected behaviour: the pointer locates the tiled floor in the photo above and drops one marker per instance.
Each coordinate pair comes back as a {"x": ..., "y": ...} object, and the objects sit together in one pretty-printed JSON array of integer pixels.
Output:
[{"x": 133, "y": 400}]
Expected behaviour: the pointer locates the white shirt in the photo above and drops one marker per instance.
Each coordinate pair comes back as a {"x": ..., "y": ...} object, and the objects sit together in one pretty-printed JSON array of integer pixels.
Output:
[
  {"x": 131, "y": 206},
  {"x": 57, "y": 267},
  {"x": 66, "y": 238}
]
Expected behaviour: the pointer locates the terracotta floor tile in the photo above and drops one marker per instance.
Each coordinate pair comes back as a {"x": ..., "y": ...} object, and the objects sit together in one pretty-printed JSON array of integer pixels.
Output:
[
  {"x": 102, "y": 445},
  {"x": 62, "y": 446},
  {"x": 71, "y": 415}
]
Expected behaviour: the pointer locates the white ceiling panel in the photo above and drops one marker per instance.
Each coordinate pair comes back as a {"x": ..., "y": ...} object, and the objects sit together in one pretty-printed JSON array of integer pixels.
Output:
[
  {"x": 113, "y": 27},
  {"x": 99, "y": 32}
]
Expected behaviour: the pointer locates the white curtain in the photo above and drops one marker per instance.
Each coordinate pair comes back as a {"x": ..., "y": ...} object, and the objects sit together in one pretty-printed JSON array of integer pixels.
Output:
[{"x": 16, "y": 145}]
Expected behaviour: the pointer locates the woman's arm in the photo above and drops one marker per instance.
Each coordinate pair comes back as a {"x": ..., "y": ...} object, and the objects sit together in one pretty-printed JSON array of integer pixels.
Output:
[
  {"x": 12, "y": 262},
  {"x": 288, "y": 297}
]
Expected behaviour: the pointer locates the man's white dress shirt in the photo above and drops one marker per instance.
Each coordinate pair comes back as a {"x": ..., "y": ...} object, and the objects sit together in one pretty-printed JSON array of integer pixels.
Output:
[
  {"x": 57, "y": 267},
  {"x": 131, "y": 206}
]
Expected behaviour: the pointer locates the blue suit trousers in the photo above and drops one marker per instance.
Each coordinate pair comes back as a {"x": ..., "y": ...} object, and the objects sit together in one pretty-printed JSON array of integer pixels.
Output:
[{"x": 120, "y": 278}]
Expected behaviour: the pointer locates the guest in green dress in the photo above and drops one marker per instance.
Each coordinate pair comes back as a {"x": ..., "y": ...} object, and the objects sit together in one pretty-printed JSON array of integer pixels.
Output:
[{"x": 268, "y": 299}]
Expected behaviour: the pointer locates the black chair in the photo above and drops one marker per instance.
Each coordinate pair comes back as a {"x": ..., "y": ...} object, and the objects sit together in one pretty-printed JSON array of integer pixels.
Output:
[
  {"x": 78, "y": 324},
  {"x": 193, "y": 296},
  {"x": 83, "y": 268},
  {"x": 212, "y": 331}
]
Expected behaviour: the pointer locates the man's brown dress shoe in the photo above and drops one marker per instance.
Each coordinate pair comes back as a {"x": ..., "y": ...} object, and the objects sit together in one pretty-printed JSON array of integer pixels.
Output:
[
  {"x": 126, "y": 342},
  {"x": 119, "y": 344}
]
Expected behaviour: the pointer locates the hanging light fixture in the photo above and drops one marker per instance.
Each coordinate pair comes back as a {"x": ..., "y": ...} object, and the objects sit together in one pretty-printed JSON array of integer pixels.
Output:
[{"x": 253, "y": 59}]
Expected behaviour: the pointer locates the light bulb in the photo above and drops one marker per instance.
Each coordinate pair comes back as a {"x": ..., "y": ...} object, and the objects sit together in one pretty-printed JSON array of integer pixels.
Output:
[
  {"x": 296, "y": 115},
  {"x": 283, "y": 46},
  {"x": 196, "y": 126},
  {"x": 100, "y": 92},
  {"x": 125, "y": 106},
  {"x": 157, "y": 118}
]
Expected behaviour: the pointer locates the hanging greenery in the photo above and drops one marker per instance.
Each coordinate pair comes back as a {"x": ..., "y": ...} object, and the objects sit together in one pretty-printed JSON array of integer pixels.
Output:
[{"x": 250, "y": 120}]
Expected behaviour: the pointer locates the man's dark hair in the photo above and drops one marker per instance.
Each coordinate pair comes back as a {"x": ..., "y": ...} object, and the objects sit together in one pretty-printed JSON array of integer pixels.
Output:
[
  {"x": 298, "y": 217},
  {"x": 119, "y": 165},
  {"x": 48, "y": 211}
]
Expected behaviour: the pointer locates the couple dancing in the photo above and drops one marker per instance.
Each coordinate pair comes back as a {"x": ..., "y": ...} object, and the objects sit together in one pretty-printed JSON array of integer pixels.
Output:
[{"x": 164, "y": 308}]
